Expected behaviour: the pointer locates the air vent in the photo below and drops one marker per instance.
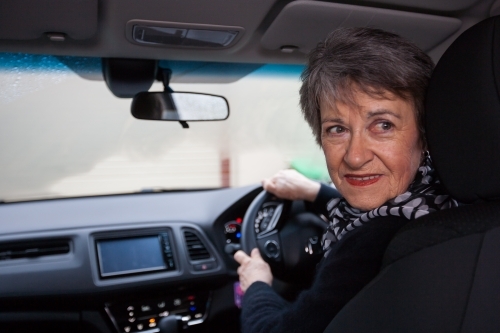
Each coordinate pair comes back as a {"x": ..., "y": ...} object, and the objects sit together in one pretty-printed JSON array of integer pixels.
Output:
[
  {"x": 196, "y": 248},
  {"x": 33, "y": 249}
]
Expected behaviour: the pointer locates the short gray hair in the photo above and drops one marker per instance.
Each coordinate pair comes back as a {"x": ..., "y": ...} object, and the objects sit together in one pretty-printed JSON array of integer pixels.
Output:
[{"x": 371, "y": 60}]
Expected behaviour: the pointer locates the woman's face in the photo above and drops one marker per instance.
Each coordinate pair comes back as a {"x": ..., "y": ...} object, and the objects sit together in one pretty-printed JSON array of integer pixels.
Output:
[{"x": 372, "y": 149}]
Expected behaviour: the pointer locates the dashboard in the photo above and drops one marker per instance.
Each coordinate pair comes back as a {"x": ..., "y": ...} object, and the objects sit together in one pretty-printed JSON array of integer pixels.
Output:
[{"x": 121, "y": 263}]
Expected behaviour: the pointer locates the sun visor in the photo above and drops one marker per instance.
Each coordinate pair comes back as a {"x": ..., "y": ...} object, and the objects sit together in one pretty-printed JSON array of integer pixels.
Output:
[
  {"x": 302, "y": 24},
  {"x": 25, "y": 19}
]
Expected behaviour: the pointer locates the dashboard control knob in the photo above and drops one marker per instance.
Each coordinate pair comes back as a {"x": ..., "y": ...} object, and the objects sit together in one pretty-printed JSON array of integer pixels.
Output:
[{"x": 232, "y": 248}]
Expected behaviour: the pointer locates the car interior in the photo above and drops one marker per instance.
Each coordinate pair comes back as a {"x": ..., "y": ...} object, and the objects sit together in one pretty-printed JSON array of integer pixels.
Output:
[{"x": 160, "y": 259}]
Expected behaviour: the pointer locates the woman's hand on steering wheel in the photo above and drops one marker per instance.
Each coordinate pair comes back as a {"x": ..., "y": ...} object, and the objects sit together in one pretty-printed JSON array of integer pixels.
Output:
[
  {"x": 280, "y": 233},
  {"x": 252, "y": 269},
  {"x": 291, "y": 185}
]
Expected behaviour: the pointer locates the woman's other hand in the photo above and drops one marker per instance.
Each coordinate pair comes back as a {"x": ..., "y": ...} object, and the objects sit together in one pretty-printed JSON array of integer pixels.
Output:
[
  {"x": 291, "y": 185},
  {"x": 252, "y": 269}
]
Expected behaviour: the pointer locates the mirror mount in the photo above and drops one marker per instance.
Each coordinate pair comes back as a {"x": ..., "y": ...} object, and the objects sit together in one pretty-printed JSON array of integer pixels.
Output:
[{"x": 166, "y": 75}]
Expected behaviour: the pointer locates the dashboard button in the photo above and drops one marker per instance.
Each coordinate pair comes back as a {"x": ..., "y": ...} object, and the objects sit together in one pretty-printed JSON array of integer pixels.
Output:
[
  {"x": 170, "y": 263},
  {"x": 204, "y": 267},
  {"x": 272, "y": 249}
]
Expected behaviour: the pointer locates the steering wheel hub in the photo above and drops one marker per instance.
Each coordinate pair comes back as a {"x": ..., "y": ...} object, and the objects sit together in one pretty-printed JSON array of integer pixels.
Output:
[{"x": 272, "y": 249}]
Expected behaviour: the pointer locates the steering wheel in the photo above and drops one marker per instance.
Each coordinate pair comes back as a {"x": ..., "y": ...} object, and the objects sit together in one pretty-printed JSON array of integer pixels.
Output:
[{"x": 287, "y": 236}]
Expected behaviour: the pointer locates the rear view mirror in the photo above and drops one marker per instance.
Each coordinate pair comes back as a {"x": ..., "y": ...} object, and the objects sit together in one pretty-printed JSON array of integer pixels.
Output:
[{"x": 179, "y": 106}]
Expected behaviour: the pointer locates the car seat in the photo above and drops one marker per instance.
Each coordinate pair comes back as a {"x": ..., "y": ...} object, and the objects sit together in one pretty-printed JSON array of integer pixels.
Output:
[{"x": 441, "y": 273}]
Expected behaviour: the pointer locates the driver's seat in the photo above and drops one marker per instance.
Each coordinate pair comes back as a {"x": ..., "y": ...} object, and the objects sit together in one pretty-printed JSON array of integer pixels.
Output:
[{"x": 442, "y": 272}]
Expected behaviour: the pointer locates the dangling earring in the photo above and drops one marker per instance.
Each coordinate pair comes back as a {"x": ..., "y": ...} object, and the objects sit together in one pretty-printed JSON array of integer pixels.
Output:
[{"x": 425, "y": 156}]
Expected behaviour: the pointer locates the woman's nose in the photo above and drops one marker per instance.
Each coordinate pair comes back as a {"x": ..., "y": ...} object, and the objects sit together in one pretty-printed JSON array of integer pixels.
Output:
[{"x": 357, "y": 153}]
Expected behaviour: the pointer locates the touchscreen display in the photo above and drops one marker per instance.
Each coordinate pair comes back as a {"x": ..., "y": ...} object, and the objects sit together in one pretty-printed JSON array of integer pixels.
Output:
[{"x": 130, "y": 255}]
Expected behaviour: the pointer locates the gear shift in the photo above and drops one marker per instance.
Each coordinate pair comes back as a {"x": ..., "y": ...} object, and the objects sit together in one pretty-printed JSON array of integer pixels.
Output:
[{"x": 170, "y": 324}]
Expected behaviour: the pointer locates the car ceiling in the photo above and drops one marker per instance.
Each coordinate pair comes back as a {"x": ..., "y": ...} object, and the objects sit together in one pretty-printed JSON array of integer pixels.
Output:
[{"x": 270, "y": 31}]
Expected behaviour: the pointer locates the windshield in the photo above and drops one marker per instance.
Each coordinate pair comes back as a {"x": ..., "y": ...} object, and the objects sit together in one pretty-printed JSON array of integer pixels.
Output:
[{"x": 63, "y": 133}]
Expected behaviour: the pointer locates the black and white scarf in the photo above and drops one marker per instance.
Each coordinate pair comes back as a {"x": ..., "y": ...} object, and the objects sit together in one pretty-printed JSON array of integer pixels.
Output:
[{"x": 424, "y": 195}]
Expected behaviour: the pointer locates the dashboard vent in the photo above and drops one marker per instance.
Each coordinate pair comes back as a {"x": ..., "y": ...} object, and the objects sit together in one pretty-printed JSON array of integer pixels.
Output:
[
  {"x": 33, "y": 249},
  {"x": 196, "y": 249}
]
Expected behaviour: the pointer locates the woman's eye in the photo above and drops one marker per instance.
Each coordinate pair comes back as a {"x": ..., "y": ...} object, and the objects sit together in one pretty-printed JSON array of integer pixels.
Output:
[
  {"x": 336, "y": 130},
  {"x": 384, "y": 126}
]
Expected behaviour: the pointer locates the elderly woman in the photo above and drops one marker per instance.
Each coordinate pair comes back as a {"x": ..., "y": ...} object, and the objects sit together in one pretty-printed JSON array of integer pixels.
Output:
[{"x": 362, "y": 94}]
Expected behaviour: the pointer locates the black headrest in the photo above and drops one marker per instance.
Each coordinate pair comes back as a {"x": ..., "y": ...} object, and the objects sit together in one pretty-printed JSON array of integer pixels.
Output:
[{"x": 463, "y": 114}]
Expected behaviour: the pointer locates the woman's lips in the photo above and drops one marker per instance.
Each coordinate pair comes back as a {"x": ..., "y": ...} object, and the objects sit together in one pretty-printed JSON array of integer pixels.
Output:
[{"x": 362, "y": 180}]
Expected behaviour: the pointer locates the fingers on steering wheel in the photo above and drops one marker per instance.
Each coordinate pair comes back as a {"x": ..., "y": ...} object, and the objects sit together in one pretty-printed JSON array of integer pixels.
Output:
[
  {"x": 268, "y": 185},
  {"x": 255, "y": 253},
  {"x": 241, "y": 257}
]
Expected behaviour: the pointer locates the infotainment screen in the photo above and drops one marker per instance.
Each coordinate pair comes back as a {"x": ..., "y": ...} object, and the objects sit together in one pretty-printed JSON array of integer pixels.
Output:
[{"x": 130, "y": 255}]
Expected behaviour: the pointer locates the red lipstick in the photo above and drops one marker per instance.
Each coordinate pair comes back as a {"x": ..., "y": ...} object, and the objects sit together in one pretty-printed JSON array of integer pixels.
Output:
[{"x": 361, "y": 180}]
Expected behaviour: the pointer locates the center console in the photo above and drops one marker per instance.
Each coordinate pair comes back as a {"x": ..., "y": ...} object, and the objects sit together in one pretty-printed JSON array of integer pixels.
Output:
[
  {"x": 144, "y": 316},
  {"x": 126, "y": 255}
]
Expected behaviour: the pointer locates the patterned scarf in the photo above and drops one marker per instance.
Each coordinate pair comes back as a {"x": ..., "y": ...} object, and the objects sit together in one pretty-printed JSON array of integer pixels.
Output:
[{"x": 424, "y": 195}]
